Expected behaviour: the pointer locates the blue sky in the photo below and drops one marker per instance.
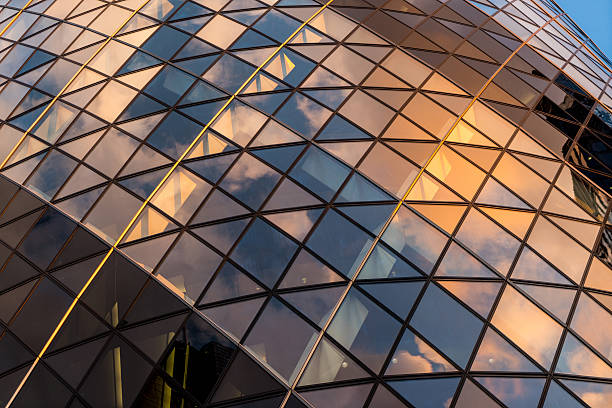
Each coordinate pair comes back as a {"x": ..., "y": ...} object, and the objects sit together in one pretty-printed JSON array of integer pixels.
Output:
[{"x": 595, "y": 19}]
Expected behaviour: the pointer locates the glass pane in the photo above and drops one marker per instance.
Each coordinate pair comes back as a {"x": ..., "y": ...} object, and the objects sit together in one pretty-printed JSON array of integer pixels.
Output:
[
  {"x": 281, "y": 339},
  {"x": 446, "y": 324},
  {"x": 264, "y": 252},
  {"x": 489, "y": 241},
  {"x": 528, "y": 326},
  {"x": 364, "y": 329},
  {"x": 415, "y": 239}
]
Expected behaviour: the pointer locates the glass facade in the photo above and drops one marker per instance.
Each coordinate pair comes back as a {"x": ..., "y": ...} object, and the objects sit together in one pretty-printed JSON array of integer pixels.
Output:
[{"x": 303, "y": 204}]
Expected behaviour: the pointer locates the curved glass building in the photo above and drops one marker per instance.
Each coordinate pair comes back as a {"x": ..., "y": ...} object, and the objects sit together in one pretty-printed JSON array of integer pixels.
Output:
[{"x": 303, "y": 204}]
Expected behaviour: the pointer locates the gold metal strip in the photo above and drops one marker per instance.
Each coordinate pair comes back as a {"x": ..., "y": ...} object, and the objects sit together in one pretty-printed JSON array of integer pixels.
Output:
[
  {"x": 398, "y": 206},
  {"x": 143, "y": 206},
  {"x": 73, "y": 304},
  {"x": 15, "y": 17},
  {"x": 70, "y": 81}
]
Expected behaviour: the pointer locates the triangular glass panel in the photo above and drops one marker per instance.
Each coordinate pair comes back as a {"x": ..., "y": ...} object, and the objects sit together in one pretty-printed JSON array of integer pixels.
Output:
[
  {"x": 245, "y": 17},
  {"x": 197, "y": 65},
  {"x": 84, "y": 123},
  {"x": 140, "y": 128},
  {"x": 457, "y": 262},
  {"x": 26, "y": 120},
  {"x": 38, "y": 58},
  {"x": 202, "y": 92},
  {"x": 472, "y": 396},
  {"x": 482, "y": 157},
  {"x": 21, "y": 202},
  {"x": 144, "y": 159},
  {"x": 153, "y": 338},
  {"x": 558, "y": 397},
  {"x": 518, "y": 222},
  {"x": 393, "y": 98},
  {"x": 79, "y": 205},
  {"x": 359, "y": 189},
  {"x": 415, "y": 151},
  {"x": 80, "y": 325},
  {"x": 477, "y": 295},
  {"x": 599, "y": 276},
  {"x": 445, "y": 216},
  {"x": 322, "y": 77},
  {"x": 524, "y": 143},
  {"x": 289, "y": 195},
  {"x": 235, "y": 317},
  {"x": 332, "y": 98},
  {"x": 494, "y": 193},
  {"x": 295, "y": 223},
  {"x": 33, "y": 99},
  {"x": 583, "y": 232},
  {"x": 274, "y": 133},
  {"x": 17, "y": 270},
  {"x": 138, "y": 61},
  {"x": 140, "y": 106},
  {"x": 307, "y": 270},
  {"x": 577, "y": 359},
  {"x": 144, "y": 184},
  {"x": 82, "y": 244},
  {"x": 316, "y": 304},
  {"x": 384, "y": 264},
  {"x": 372, "y": 217},
  {"x": 329, "y": 364},
  {"x": 212, "y": 168},
  {"x": 429, "y": 189},
  {"x": 384, "y": 398},
  {"x": 210, "y": 144},
  {"x": 82, "y": 179},
  {"x": 22, "y": 170},
  {"x": 414, "y": 356},
  {"x": 217, "y": 207},
  {"x": 435, "y": 392},
  {"x": 533, "y": 268},
  {"x": 10, "y": 301},
  {"x": 381, "y": 78},
  {"x": 374, "y": 53},
  {"x": 308, "y": 36},
  {"x": 251, "y": 39},
  {"x": 556, "y": 300},
  {"x": 514, "y": 392},
  {"x": 339, "y": 129},
  {"x": 230, "y": 283},
  {"x": 148, "y": 253},
  {"x": 222, "y": 236},
  {"x": 196, "y": 47},
  {"x": 312, "y": 51},
  {"x": 82, "y": 97},
  {"x": 496, "y": 354},
  {"x": 397, "y": 296},
  {"x": 279, "y": 157},
  {"x": 440, "y": 84},
  {"x": 594, "y": 394},
  {"x": 203, "y": 112},
  {"x": 244, "y": 378},
  {"x": 350, "y": 152},
  {"x": 268, "y": 103},
  {"x": 463, "y": 133},
  {"x": 343, "y": 397},
  {"x": 79, "y": 147},
  {"x": 72, "y": 364},
  {"x": 546, "y": 168},
  {"x": 149, "y": 222},
  {"x": 139, "y": 79}
]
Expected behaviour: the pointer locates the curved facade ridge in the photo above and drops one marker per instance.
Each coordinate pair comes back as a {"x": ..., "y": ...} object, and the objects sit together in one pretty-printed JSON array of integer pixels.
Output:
[{"x": 303, "y": 204}]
